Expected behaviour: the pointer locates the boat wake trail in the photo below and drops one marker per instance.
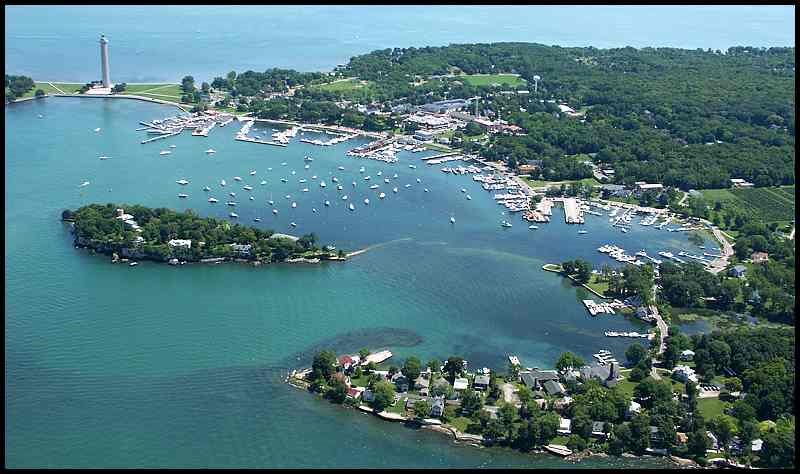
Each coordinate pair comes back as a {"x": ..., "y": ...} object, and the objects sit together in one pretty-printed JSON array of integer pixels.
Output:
[{"x": 371, "y": 247}]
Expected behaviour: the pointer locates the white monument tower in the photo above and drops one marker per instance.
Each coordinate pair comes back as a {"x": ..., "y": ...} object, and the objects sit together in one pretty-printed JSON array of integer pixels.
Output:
[{"x": 104, "y": 60}]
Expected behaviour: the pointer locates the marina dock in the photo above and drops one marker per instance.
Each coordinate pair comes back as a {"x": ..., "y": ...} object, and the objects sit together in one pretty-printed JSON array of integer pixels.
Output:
[{"x": 159, "y": 137}]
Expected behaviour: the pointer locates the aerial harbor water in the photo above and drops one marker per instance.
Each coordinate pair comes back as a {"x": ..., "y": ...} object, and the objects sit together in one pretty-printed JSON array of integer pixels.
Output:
[{"x": 146, "y": 365}]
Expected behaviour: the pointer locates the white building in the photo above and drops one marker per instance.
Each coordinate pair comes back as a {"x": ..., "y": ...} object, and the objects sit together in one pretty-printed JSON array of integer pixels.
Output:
[
  {"x": 684, "y": 373},
  {"x": 687, "y": 355},
  {"x": 460, "y": 384},
  {"x": 564, "y": 426},
  {"x": 180, "y": 243}
]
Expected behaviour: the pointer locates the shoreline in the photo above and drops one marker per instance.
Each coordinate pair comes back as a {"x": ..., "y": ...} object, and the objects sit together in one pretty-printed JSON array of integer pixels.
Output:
[
  {"x": 548, "y": 268},
  {"x": 478, "y": 441}
]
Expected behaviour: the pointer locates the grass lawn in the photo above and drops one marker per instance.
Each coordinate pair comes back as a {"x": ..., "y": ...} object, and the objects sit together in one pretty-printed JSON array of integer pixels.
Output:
[
  {"x": 489, "y": 79},
  {"x": 170, "y": 92},
  {"x": 626, "y": 386},
  {"x": 597, "y": 285},
  {"x": 399, "y": 407},
  {"x": 48, "y": 89},
  {"x": 435, "y": 147},
  {"x": 560, "y": 440},
  {"x": 350, "y": 84},
  {"x": 460, "y": 423},
  {"x": 711, "y": 407}
]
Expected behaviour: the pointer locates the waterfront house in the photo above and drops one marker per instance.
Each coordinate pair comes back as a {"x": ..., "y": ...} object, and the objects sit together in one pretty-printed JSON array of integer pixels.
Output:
[
  {"x": 355, "y": 392},
  {"x": 241, "y": 250},
  {"x": 598, "y": 430},
  {"x": 347, "y": 362},
  {"x": 401, "y": 382},
  {"x": 460, "y": 383},
  {"x": 481, "y": 382},
  {"x": 687, "y": 355},
  {"x": 535, "y": 379},
  {"x": 564, "y": 426},
  {"x": 422, "y": 385},
  {"x": 440, "y": 385},
  {"x": 608, "y": 375},
  {"x": 437, "y": 409},
  {"x": 759, "y": 257},
  {"x": 738, "y": 271}
]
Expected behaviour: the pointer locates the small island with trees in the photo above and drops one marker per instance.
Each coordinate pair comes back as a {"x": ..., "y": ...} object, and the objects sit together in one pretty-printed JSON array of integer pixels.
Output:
[{"x": 164, "y": 235}]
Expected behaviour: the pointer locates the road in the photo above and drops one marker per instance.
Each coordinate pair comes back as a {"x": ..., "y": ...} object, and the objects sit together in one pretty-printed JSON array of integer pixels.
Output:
[{"x": 719, "y": 264}]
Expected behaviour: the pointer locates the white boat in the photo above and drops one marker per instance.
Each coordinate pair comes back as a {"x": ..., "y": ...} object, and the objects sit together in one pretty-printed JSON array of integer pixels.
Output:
[
  {"x": 97, "y": 129},
  {"x": 222, "y": 183},
  {"x": 314, "y": 210},
  {"x": 271, "y": 202},
  {"x": 426, "y": 190},
  {"x": 327, "y": 203},
  {"x": 293, "y": 224},
  {"x": 374, "y": 186},
  {"x": 344, "y": 198},
  {"x": 308, "y": 158},
  {"x": 133, "y": 264},
  {"x": 182, "y": 182},
  {"x": 253, "y": 173},
  {"x": 366, "y": 178},
  {"x": 172, "y": 146},
  {"x": 231, "y": 203},
  {"x": 206, "y": 188},
  {"x": 305, "y": 190},
  {"x": 211, "y": 151},
  {"x": 269, "y": 169},
  {"x": 84, "y": 184},
  {"x": 505, "y": 224},
  {"x": 419, "y": 180},
  {"x": 386, "y": 180},
  {"x": 334, "y": 179},
  {"x": 302, "y": 180},
  {"x": 212, "y": 200},
  {"x": 339, "y": 187},
  {"x": 412, "y": 167},
  {"x": 183, "y": 195},
  {"x": 408, "y": 186},
  {"x": 394, "y": 190},
  {"x": 533, "y": 227},
  {"x": 232, "y": 194},
  {"x": 294, "y": 204},
  {"x": 257, "y": 219},
  {"x": 452, "y": 220},
  {"x": 283, "y": 164},
  {"x": 165, "y": 152},
  {"x": 322, "y": 184},
  {"x": 469, "y": 198},
  {"x": 288, "y": 196},
  {"x": 104, "y": 157},
  {"x": 306, "y": 167},
  {"x": 395, "y": 176},
  {"x": 341, "y": 168},
  {"x": 354, "y": 184},
  {"x": 583, "y": 232},
  {"x": 263, "y": 183},
  {"x": 463, "y": 190},
  {"x": 252, "y": 198},
  {"x": 274, "y": 211},
  {"x": 351, "y": 207},
  {"x": 236, "y": 178},
  {"x": 361, "y": 170},
  {"x": 234, "y": 215},
  {"x": 294, "y": 172},
  {"x": 379, "y": 173},
  {"x": 624, "y": 230},
  {"x": 314, "y": 177},
  {"x": 283, "y": 180}
]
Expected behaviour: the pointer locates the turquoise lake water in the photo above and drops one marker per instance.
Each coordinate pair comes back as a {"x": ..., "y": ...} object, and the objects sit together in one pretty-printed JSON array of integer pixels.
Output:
[
  {"x": 153, "y": 365},
  {"x": 59, "y": 43}
]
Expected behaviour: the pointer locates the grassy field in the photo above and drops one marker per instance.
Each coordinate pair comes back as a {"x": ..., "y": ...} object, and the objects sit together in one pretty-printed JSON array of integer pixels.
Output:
[
  {"x": 460, "y": 423},
  {"x": 171, "y": 92},
  {"x": 711, "y": 407},
  {"x": 540, "y": 184},
  {"x": 489, "y": 79},
  {"x": 597, "y": 285},
  {"x": 342, "y": 86}
]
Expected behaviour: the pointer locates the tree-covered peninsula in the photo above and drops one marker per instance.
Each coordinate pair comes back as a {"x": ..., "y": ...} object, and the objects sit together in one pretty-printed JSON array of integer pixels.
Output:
[{"x": 162, "y": 234}]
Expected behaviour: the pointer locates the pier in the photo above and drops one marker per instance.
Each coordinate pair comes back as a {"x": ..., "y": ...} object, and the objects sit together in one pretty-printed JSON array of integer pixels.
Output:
[
  {"x": 253, "y": 140},
  {"x": 572, "y": 211},
  {"x": 159, "y": 137}
]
